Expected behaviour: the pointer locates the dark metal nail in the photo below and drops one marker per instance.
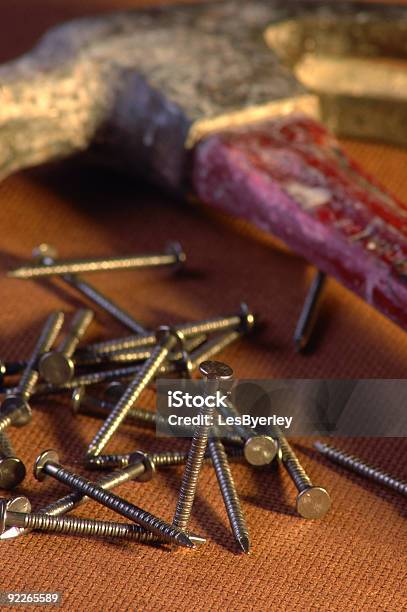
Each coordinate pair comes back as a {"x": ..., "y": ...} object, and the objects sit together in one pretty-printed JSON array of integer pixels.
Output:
[
  {"x": 309, "y": 313},
  {"x": 135, "y": 355},
  {"x": 229, "y": 494},
  {"x": 105, "y": 303},
  {"x": 213, "y": 372},
  {"x": 173, "y": 256},
  {"x": 357, "y": 465},
  {"x": 243, "y": 321},
  {"x": 135, "y": 471},
  {"x": 312, "y": 502},
  {"x": 12, "y": 469},
  {"x": 258, "y": 449},
  {"x": 168, "y": 341},
  {"x": 210, "y": 349},
  {"x": 57, "y": 367},
  {"x": 163, "y": 459},
  {"x": 46, "y": 255},
  {"x": 15, "y": 410},
  {"x": 83, "y": 403},
  {"x": 47, "y": 464},
  {"x": 12, "y": 516}
]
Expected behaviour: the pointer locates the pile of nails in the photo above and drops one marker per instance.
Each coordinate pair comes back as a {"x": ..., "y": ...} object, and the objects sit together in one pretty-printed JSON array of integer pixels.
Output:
[{"x": 130, "y": 365}]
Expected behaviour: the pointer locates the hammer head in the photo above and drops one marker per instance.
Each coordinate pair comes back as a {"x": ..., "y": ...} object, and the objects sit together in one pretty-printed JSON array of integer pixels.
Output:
[
  {"x": 150, "y": 82},
  {"x": 154, "y": 82}
]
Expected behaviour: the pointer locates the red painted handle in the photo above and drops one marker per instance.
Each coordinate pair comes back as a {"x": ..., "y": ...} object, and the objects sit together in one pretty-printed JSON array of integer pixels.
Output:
[{"x": 289, "y": 176}]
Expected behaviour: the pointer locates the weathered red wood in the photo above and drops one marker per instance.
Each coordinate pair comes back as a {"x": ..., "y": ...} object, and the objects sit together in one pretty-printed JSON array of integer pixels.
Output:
[{"x": 288, "y": 176}]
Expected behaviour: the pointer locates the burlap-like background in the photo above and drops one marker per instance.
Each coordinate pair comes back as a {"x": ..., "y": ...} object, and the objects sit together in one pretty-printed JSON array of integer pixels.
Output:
[{"x": 356, "y": 557}]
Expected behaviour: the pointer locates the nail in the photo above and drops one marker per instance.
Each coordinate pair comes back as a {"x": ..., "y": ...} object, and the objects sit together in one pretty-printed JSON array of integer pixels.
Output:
[
  {"x": 93, "y": 378},
  {"x": 46, "y": 255},
  {"x": 309, "y": 313},
  {"x": 173, "y": 256},
  {"x": 163, "y": 459},
  {"x": 357, "y": 465},
  {"x": 173, "y": 366},
  {"x": 12, "y": 515},
  {"x": 47, "y": 464},
  {"x": 57, "y": 367},
  {"x": 210, "y": 349},
  {"x": 312, "y": 502},
  {"x": 136, "y": 355},
  {"x": 242, "y": 321},
  {"x": 15, "y": 410},
  {"x": 213, "y": 372},
  {"x": 12, "y": 469},
  {"x": 15, "y": 514},
  {"x": 105, "y": 303},
  {"x": 229, "y": 494},
  {"x": 83, "y": 403},
  {"x": 181, "y": 366},
  {"x": 103, "y": 462},
  {"x": 258, "y": 449},
  {"x": 109, "y": 481},
  {"x": 141, "y": 470},
  {"x": 168, "y": 341}
]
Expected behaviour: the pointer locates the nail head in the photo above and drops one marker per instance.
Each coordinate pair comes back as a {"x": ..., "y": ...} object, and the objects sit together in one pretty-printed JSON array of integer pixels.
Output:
[
  {"x": 260, "y": 450},
  {"x": 48, "y": 455},
  {"x": 16, "y": 504},
  {"x": 12, "y": 472},
  {"x": 175, "y": 248},
  {"x": 247, "y": 317},
  {"x": 44, "y": 251},
  {"x": 215, "y": 370},
  {"x": 149, "y": 465},
  {"x": 164, "y": 332},
  {"x": 77, "y": 397},
  {"x": 56, "y": 368},
  {"x": 20, "y": 409},
  {"x": 313, "y": 503}
]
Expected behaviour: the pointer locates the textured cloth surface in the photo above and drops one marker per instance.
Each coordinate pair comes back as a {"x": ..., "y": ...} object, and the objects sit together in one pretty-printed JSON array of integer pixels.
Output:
[{"x": 353, "y": 559}]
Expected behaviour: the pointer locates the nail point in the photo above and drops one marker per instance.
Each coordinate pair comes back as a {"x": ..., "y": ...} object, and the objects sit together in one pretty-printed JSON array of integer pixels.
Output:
[{"x": 244, "y": 543}]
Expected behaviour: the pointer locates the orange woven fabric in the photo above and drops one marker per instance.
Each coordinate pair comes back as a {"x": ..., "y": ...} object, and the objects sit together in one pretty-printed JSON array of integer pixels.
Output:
[{"x": 353, "y": 559}]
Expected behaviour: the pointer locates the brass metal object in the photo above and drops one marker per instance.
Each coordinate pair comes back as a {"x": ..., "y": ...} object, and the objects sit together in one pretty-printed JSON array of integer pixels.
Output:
[
  {"x": 354, "y": 58},
  {"x": 47, "y": 464}
]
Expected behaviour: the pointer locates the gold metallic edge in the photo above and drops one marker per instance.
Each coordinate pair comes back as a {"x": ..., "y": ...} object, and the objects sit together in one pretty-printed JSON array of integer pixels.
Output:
[{"x": 308, "y": 104}]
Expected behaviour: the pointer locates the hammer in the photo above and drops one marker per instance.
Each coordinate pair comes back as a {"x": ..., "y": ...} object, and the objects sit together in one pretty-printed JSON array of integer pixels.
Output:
[{"x": 195, "y": 100}]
